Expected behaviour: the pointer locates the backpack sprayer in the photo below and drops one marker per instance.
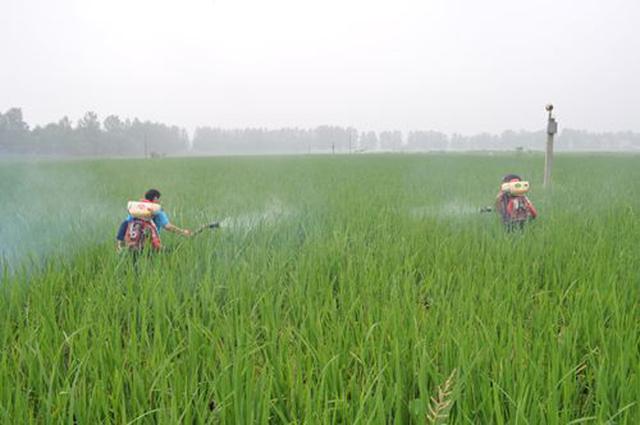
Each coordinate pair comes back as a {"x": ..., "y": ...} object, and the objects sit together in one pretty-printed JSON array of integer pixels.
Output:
[
  {"x": 517, "y": 188},
  {"x": 143, "y": 210},
  {"x": 146, "y": 211}
]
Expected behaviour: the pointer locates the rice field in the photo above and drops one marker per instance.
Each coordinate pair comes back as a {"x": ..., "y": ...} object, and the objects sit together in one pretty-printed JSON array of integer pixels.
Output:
[{"x": 362, "y": 289}]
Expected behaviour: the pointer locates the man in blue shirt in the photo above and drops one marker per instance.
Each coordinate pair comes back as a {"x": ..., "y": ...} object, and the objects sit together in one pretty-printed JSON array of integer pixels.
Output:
[{"x": 160, "y": 220}]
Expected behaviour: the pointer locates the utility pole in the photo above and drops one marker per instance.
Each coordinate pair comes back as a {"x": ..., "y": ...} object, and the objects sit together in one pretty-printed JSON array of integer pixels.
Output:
[
  {"x": 552, "y": 129},
  {"x": 146, "y": 146}
]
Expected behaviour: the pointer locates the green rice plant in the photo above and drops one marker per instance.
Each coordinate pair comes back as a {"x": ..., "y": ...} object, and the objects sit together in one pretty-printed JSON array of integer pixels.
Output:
[{"x": 340, "y": 289}]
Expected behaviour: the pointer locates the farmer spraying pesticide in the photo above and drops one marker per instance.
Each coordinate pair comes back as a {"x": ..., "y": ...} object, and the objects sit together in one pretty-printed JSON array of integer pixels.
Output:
[
  {"x": 143, "y": 224},
  {"x": 512, "y": 204}
]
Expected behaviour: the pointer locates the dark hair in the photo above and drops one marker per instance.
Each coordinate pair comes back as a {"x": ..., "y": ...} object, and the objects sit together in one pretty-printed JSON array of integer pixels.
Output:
[
  {"x": 152, "y": 195},
  {"x": 509, "y": 177}
]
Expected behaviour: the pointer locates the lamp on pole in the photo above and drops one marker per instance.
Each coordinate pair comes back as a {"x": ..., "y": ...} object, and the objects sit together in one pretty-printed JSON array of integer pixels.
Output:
[{"x": 552, "y": 129}]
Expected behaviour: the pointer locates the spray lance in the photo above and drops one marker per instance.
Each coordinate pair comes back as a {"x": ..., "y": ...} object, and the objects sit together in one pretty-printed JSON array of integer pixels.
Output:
[{"x": 214, "y": 225}]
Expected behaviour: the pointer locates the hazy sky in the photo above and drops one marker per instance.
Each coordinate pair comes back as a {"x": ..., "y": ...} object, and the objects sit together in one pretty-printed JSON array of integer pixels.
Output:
[{"x": 450, "y": 65}]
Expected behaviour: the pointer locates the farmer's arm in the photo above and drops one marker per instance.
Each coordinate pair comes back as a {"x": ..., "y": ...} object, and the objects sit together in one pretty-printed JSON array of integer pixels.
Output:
[
  {"x": 122, "y": 230},
  {"x": 162, "y": 222},
  {"x": 532, "y": 210},
  {"x": 175, "y": 229},
  {"x": 500, "y": 207},
  {"x": 120, "y": 236}
]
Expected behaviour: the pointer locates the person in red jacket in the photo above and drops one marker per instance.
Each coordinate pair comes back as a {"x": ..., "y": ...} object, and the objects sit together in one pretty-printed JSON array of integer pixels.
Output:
[{"x": 512, "y": 205}]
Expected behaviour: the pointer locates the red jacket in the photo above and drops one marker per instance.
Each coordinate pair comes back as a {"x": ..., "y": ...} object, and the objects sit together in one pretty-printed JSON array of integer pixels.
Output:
[
  {"x": 506, "y": 206},
  {"x": 531, "y": 210}
]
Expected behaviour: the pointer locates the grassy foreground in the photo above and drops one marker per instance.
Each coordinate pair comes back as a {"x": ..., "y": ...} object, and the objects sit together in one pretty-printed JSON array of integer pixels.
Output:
[{"x": 353, "y": 290}]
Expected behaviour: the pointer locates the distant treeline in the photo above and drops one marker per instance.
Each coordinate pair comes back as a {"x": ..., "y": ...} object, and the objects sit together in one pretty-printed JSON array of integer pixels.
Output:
[
  {"x": 117, "y": 137},
  {"x": 90, "y": 137}
]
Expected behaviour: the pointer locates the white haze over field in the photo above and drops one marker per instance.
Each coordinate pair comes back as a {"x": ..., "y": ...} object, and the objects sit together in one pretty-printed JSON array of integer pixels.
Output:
[
  {"x": 450, "y": 209},
  {"x": 450, "y": 65},
  {"x": 274, "y": 212},
  {"x": 51, "y": 211}
]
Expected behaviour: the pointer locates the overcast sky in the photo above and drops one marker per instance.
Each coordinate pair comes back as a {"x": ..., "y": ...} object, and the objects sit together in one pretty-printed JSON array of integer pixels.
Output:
[{"x": 450, "y": 65}]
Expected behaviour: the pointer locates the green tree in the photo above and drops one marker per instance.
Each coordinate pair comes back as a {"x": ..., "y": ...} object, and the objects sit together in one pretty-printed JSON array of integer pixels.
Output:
[{"x": 14, "y": 132}]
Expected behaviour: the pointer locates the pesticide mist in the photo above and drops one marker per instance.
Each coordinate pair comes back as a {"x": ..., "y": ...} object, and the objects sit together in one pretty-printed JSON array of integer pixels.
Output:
[
  {"x": 50, "y": 208},
  {"x": 272, "y": 213}
]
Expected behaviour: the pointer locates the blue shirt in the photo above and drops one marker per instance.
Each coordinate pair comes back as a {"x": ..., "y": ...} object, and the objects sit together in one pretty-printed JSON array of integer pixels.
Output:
[{"x": 161, "y": 219}]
